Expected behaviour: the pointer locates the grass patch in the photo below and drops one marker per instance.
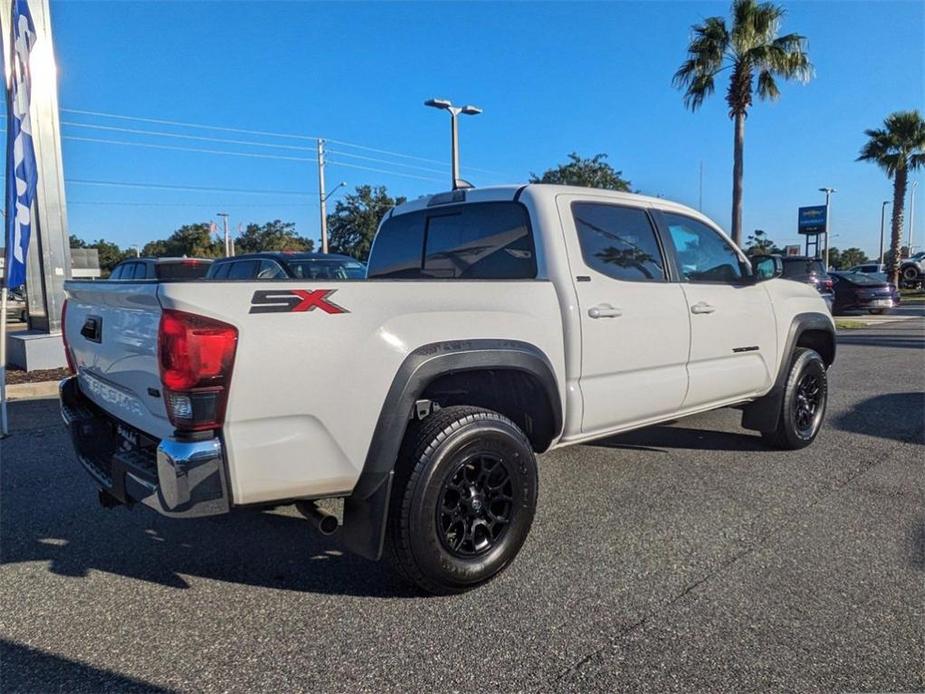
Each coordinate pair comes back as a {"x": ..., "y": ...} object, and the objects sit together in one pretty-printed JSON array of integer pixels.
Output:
[
  {"x": 912, "y": 296},
  {"x": 846, "y": 324}
]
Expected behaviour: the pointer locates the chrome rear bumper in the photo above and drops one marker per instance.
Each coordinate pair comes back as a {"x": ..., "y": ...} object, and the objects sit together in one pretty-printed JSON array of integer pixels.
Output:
[{"x": 183, "y": 479}]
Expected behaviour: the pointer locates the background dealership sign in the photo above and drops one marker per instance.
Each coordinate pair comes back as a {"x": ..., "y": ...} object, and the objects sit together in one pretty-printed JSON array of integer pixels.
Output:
[{"x": 811, "y": 220}]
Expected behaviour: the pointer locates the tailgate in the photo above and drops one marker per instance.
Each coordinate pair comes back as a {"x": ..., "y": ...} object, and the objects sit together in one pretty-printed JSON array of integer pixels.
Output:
[{"x": 111, "y": 328}]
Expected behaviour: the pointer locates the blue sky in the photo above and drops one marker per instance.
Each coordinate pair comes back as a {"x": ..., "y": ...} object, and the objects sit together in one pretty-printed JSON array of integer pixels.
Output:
[{"x": 551, "y": 77}]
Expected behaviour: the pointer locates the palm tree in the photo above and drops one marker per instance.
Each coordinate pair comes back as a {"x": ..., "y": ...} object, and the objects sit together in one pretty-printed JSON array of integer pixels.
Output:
[
  {"x": 751, "y": 46},
  {"x": 898, "y": 148}
]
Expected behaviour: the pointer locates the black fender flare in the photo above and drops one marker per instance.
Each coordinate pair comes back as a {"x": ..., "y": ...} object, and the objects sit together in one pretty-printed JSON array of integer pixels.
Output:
[
  {"x": 763, "y": 414},
  {"x": 366, "y": 509}
]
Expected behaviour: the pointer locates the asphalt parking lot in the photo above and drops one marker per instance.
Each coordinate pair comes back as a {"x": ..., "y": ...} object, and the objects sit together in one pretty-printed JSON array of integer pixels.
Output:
[{"x": 681, "y": 557}]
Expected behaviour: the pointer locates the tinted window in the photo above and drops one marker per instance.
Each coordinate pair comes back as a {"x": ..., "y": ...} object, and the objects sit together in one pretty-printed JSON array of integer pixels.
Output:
[
  {"x": 270, "y": 270},
  {"x": 141, "y": 271},
  {"x": 477, "y": 241},
  {"x": 319, "y": 268},
  {"x": 243, "y": 270},
  {"x": 117, "y": 272},
  {"x": 802, "y": 267},
  {"x": 134, "y": 271},
  {"x": 219, "y": 271},
  {"x": 618, "y": 241},
  {"x": 703, "y": 255},
  {"x": 181, "y": 270}
]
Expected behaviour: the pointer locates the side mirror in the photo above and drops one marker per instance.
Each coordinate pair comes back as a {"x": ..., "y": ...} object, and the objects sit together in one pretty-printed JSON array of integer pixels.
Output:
[{"x": 766, "y": 267}]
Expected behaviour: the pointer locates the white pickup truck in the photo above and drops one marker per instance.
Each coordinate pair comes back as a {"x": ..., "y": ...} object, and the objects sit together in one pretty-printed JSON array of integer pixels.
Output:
[{"x": 494, "y": 324}]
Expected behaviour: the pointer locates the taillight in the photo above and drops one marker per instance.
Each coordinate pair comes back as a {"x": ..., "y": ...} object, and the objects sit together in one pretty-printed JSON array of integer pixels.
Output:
[
  {"x": 196, "y": 355},
  {"x": 67, "y": 348}
]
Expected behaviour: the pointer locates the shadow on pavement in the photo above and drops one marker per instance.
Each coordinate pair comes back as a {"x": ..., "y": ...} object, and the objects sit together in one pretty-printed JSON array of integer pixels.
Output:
[
  {"x": 29, "y": 670},
  {"x": 49, "y": 513},
  {"x": 661, "y": 437},
  {"x": 897, "y": 416}
]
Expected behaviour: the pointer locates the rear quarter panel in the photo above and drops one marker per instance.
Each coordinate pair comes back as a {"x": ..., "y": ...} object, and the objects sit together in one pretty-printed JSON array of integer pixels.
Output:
[{"x": 308, "y": 387}]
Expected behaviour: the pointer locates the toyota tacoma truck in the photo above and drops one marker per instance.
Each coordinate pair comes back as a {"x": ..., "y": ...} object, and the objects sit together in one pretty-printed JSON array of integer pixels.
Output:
[{"x": 494, "y": 324}]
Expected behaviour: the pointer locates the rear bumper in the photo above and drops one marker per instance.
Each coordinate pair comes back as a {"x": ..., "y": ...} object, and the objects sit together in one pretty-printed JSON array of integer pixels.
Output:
[{"x": 182, "y": 479}]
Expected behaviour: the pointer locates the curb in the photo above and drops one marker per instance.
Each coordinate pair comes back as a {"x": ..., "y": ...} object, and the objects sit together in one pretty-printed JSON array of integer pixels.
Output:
[{"x": 23, "y": 391}]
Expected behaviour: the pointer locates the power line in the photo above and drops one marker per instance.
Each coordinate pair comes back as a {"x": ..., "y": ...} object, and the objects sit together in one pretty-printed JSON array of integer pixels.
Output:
[
  {"x": 385, "y": 171},
  {"x": 166, "y": 186},
  {"x": 252, "y": 155},
  {"x": 386, "y": 161},
  {"x": 162, "y": 121},
  {"x": 184, "y": 137},
  {"x": 186, "y": 204},
  {"x": 266, "y": 133}
]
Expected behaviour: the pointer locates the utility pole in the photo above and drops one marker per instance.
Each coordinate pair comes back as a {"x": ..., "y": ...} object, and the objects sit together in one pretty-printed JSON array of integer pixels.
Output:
[
  {"x": 322, "y": 198},
  {"x": 882, "y": 223},
  {"x": 828, "y": 222},
  {"x": 911, "y": 214},
  {"x": 454, "y": 111},
  {"x": 224, "y": 216}
]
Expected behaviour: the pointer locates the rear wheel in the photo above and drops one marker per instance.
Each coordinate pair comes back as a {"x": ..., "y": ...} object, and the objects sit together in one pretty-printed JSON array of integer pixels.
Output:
[
  {"x": 804, "y": 401},
  {"x": 910, "y": 275},
  {"x": 464, "y": 499},
  {"x": 875, "y": 311}
]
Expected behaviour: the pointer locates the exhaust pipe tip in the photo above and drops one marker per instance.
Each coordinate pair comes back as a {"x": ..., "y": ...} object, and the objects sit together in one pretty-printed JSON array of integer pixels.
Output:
[{"x": 322, "y": 521}]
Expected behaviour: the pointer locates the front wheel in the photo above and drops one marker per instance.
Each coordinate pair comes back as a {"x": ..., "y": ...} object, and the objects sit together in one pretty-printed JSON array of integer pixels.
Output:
[
  {"x": 464, "y": 499},
  {"x": 804, "y": 401}
]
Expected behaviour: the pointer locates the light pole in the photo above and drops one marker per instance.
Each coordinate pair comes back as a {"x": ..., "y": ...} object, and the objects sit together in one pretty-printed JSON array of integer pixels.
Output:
[
  {"x": 828, "y": 221},
  {"x": 224, "y": 216},
  {"x": 911, "y": 214},
  {"x": 324, "y": 204},
  {"x": 882, "y": 222},
  {"x": 446, "y": 105},
  {"x": 137, "y": 249}
]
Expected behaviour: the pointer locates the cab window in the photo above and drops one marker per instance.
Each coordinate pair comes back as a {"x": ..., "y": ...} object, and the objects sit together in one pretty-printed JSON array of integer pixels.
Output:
[{"x": 703, "y": 254}]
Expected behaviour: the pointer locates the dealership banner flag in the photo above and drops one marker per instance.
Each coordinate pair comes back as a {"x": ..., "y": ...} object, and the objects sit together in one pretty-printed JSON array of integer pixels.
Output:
[{"x": 21, "y": 174}]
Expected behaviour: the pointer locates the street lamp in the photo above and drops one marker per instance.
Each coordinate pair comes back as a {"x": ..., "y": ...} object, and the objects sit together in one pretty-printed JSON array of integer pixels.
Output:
[
  {"x": 882, "y": 222},
  {"x": 828, "y": 194},
  {"x": 446, "y": 105}
]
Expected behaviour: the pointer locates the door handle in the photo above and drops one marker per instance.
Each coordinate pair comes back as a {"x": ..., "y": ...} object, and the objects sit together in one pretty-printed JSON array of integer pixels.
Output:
[
  {"x": 702, "y": 307},
  {"x": 604, "y": 311}
]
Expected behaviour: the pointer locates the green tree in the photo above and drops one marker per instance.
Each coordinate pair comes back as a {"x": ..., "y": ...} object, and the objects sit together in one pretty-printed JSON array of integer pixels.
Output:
[
  {"x": 192, "y": 240},
  {"x": 110, "y": 255},
  {"x": 751, "y": 46},
  {"x": 75, "y": 242},
  {"x": 272, "y": 236},
  {"x": 835, "y": 258},
  {"x": 851, "y": 257},
  {"x": 155, "y": 249},
  {"x": 353, "y": 224},
  {"x": 588, "y": 173},
  {"x": 760, "y": 244},
  {"x": 897, "y": 148}
]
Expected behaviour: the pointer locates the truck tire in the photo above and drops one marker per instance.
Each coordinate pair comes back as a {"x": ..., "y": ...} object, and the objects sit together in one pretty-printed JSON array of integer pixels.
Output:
[
  {"x": 804, "y": 401},
  {"x": 910, "y": 274},
  {"x": 463, "y": 500}
]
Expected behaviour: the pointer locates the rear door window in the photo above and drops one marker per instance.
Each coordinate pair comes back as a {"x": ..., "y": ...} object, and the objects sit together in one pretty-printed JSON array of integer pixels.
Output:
[
  {"x": 491, "y": 240},
  {"x": 618, "y": 241},
  {"x": 117, "y": 272}
]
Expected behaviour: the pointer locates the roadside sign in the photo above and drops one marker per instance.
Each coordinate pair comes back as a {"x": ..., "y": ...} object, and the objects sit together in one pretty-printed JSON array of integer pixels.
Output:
[
  {"x": 811, "y": 220},
  {"x": 792, "y": 250}
]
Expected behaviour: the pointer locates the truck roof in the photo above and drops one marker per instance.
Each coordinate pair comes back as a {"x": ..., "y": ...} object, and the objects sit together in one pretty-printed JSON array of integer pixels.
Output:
[{"x": 540, "y": 190}]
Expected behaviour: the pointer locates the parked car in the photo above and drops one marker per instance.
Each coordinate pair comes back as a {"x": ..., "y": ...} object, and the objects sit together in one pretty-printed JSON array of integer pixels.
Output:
[
  {"x": 869, "y": 269},
  {"x": 858, "y": 291},
  {"x": 912, "y": 269},
  {"x": 16, "y": 308},
  {"x": 494, "y": 324},
  {"x": 161, "y": 269},
  {"x": 286, "y": 265},
  {"x": 802, "y": 268}
]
